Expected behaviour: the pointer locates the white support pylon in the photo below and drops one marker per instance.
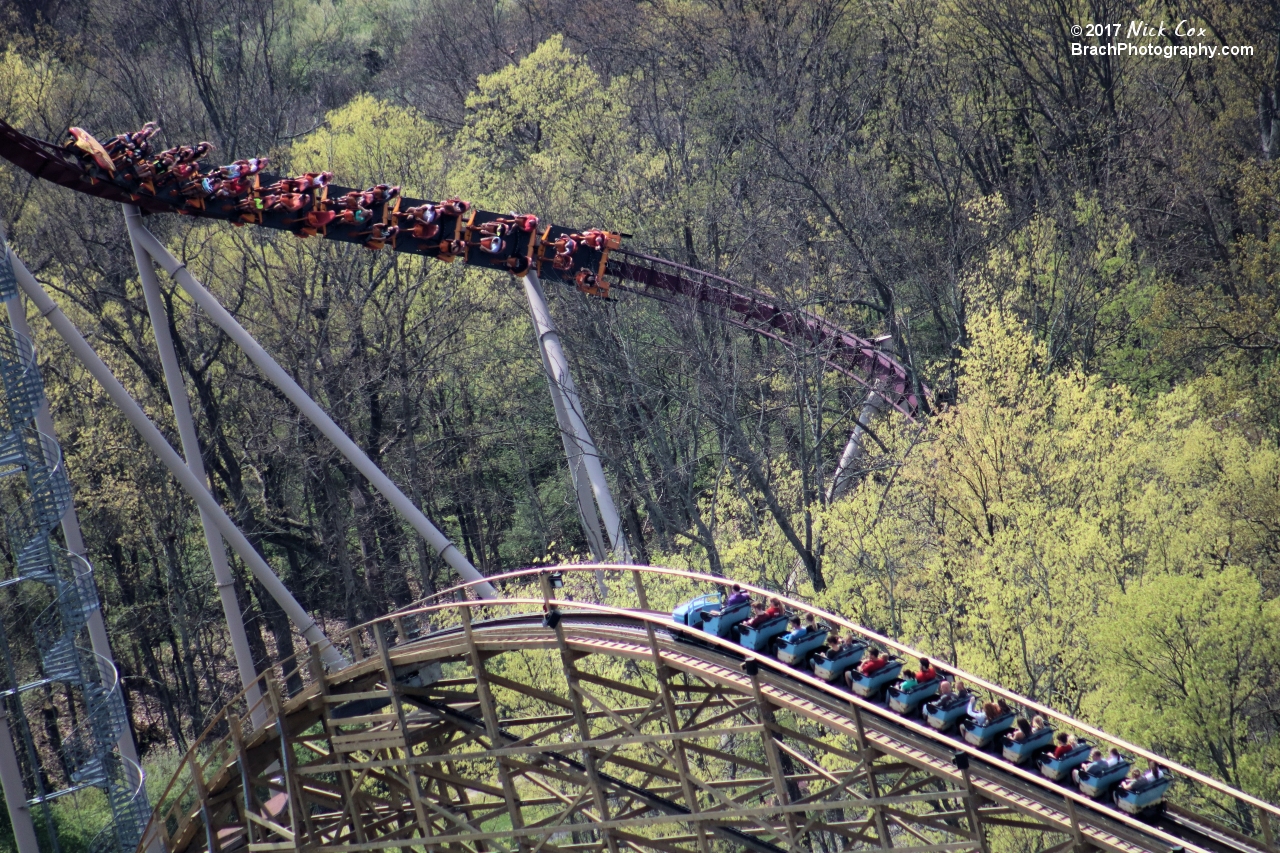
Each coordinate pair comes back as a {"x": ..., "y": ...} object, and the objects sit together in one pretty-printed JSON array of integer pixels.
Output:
[
  {"x": 175, "y": 463},
  {"x": 570, "y": 417},
  {"x": 855, "y": 449},
  {"x": 584, "y": 498},
  {"x": 195, "y": 461},
  {"x": 277, "y": 375}
]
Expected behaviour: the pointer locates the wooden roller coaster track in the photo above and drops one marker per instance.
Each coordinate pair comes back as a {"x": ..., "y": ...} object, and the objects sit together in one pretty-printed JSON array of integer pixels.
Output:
[{"x": 481, "y": 726}]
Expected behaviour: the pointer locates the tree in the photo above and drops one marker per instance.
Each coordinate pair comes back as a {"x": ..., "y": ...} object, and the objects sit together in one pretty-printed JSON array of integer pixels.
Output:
[{"x": 1190, "y": 667}]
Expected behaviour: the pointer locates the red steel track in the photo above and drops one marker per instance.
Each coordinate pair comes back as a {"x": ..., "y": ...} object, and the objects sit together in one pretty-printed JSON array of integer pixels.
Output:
[{"x": 839, "y": 349}]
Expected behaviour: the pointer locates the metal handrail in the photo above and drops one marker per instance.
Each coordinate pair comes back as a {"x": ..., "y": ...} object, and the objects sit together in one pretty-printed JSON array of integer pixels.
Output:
[
  {"x": 888, "y": 642},
  {"x": 299, "y": 663},
  {"x": 90, "y": 749}
]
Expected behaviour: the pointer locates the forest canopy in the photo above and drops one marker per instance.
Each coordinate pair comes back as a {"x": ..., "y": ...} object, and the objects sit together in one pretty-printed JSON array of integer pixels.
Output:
[{"x": 1078, "y": 255}]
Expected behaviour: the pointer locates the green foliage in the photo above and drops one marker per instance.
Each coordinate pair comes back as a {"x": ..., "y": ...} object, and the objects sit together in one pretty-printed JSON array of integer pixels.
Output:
[
  {"x": 369, "y": 141},
  {"x": 1190, "y": 665}
]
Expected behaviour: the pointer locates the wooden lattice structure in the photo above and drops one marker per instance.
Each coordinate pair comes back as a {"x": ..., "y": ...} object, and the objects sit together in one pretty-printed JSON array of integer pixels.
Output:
[{"x": 484, "y": 726}]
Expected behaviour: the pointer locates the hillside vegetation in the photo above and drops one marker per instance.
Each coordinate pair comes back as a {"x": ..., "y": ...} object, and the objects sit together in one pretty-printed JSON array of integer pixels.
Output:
[{"x": 1079, "y": 256}]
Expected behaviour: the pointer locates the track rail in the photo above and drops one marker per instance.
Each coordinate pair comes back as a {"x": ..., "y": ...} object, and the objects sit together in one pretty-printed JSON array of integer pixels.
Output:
[
  {"x": 819, "y": 734},
  {"x": 840, "y": 349}
]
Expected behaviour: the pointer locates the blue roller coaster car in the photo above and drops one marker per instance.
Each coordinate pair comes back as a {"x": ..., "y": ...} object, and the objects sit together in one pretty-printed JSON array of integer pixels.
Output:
[
  {"x": 946, "y": 712},
  {"x": 1058, "y": 769},
  {"x": 757, "y": 638},
  {"x": 708, "y": 613},
  {"x": 1144, "y": 796},
  {"x": 1018, "y": 751},
  {"x": 909, "y": 701},
  {"x": 796, "y": 653},
  {"x": 1099, "y": 783},
  {"x": 982, "y": 735},
  {"x": 868, "y": 686},
  {"x": 831, "y": 667}
]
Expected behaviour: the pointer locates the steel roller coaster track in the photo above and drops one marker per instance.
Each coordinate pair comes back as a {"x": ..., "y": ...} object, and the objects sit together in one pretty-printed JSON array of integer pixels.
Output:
[
  {"x": 841, "y": 350},
  {"x": 472, "y": 725},
  {"x": 481, "y": 726}
]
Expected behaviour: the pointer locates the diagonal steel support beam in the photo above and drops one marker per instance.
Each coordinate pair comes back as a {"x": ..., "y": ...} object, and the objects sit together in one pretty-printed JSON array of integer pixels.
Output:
[
  {"x": 279, "y": 377},
  {"x": 176, "y": 464},
  {"x": 195, "y": 461},
  {"x": 570, "y": 415}
]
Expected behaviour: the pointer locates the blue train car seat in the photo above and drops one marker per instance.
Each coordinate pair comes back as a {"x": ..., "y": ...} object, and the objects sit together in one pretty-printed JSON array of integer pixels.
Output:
[
  {"x": 982, "y": 735},
  {"x": 945, "y": 712},
  {"x": 757, "y": 637},
  {"x": 909, "y": 701},
  {"x": 1058, "y": 769},
  {"x": 1098, "y": 784},
  {"x": 831, "y": 667},
  {"x": 868, "y": 686},
  {"x": 1143, "y": 796},
  {"x": 796, "y": 653},
  {"x": 1018, "y": 751}
]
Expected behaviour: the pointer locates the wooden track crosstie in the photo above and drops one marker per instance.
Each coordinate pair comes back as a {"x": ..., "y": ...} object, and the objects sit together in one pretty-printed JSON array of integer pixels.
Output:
[{"x": 612, "y": 730}]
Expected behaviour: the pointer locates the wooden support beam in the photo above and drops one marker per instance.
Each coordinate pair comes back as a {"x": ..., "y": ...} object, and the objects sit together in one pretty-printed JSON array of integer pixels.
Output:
[
  {"x": 411, "y": 776},
  {"x": 489, "y": 712},
  {"x": 771, "y": 751},
  {"x": 350, "y": 806},
  {"x": 673, "y": 722},
  {"x": 567, "y": 662},
  {"x": 868, "y": 764},
  {"x": 971, "y": 804}
]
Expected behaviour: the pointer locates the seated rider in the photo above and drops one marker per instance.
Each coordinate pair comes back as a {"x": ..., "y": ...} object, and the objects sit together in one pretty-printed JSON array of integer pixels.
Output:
[
  {"x": 981, "y": 713},
  {"x": 773, "y": 611},
  {"x": 1021, "y": 730},
  {"x": 593, "y": 239},
  {"x": 355, "y": 216},
  {"x": 926, "y": 672},
  {"x": 425, "y": 214},
  {"x": 585, "y": 280},
  {"x": 379, "y": 235},
  {"x": 1062, "y": 745},
  {"x": 453, "y": 207},
  {"x": 1037, "y": 723},
  {"x": 493, "y": 228},
  {"x": 450, "y": 249},
  {"x": 1097, "y": 766},
  {"x": 1153, "y": 773},
  {"x": 798, "y": 631},
  {"x": 735, "y": 598},
  {"x": 948, "y": 697},
  {"x": 565, "y": 247},
  {"x": 874, "y": 662},
  {"x": 519, "y": 264},
  {"x": 831, "y": 649},
  {"x": 492, "y": 245}
]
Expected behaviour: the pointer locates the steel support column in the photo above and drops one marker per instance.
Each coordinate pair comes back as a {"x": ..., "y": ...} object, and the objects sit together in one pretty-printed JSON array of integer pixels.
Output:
[
  {"x": 195, "y": 461},
  {"x": 855, "y": 448},
  {"x": 279, "y": 377},
  {"x": 177, "y": 466},
  {"x": 573, "y": 423}
]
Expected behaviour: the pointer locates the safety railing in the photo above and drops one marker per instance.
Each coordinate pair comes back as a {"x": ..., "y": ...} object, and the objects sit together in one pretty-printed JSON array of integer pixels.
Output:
[
  {"x": 90, "y": 749},
  {"x": 217, "y": 748}
]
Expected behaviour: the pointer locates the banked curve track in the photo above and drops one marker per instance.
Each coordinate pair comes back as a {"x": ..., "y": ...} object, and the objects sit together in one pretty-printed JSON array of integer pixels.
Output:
[
  {"x": 472, "y": 725},
  {"x": 839, "y": 349}
]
